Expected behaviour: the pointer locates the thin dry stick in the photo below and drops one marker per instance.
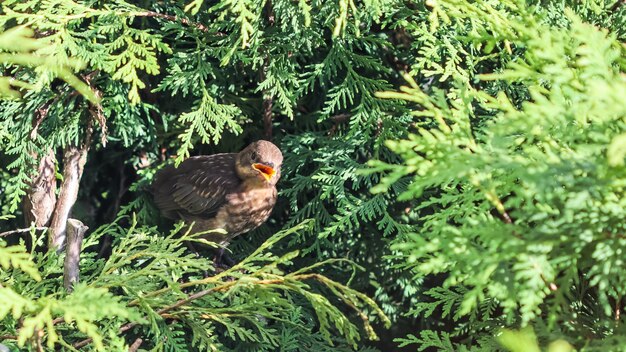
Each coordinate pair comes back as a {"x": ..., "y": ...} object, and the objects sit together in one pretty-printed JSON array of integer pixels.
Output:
[
  {"x": 268, "y": 98},
  {"x": 618, "y": 309},
  {"x": 268, "y": 102},
  {"x": 8, "y": 233},
  {"x": 173, "y": 19},
  {"x": 37, "y": 337},
  {"x": 96, "y": 109},
  {"x": 135, "y": 346}
]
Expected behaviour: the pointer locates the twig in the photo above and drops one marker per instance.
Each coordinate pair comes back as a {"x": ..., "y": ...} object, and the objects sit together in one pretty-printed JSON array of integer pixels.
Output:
[
  {"x": 75, "y": 233},
  {"x": 507, "y": 218},
  {"x": 617, "y": 5},
  {"x": 96, "y": 109},
  {"x": 337, "y": 120},
  {"x": 268, "y": 99},
  {"x": 268, "y": 102},
  {"x": 38, "y": 337},
  {"x": 618, "y": 310},
  {"x": 135, "y": 346},
  {"x": 173, "y": 19},
  {"x": 551, "y": 285},
  {"x": 8, "y": 233},
  {"x": 40, "y": 115}
]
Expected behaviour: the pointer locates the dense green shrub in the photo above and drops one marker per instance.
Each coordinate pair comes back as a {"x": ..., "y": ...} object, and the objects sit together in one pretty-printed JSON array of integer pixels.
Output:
[
  {"x": 522, "y": 195},
  {"x": 494, "y": 201}
]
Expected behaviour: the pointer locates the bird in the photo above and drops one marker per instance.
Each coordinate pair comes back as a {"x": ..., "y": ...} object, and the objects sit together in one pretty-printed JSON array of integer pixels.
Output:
[{"x": 234, "y": 192}]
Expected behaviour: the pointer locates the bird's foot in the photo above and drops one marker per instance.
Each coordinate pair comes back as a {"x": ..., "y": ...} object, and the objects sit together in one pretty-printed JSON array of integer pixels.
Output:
[{"x": 222, "y": 261}]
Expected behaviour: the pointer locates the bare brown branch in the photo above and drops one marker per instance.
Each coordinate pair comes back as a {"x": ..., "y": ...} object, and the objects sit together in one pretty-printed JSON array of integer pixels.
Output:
[
  {"x": 96, "y": 109},
  {"x": 28, "y": 229},
  {"x": 135, "y": 346},
  {"x": 268, "y": 102},
  {"x": 74, "y": 160},
  {"x": 173, "y": 19},
  {"x": 75, "y": 233}
]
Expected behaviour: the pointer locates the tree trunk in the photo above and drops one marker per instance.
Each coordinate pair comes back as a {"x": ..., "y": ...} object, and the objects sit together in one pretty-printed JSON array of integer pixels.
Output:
[{"x": 73, "y": 163}]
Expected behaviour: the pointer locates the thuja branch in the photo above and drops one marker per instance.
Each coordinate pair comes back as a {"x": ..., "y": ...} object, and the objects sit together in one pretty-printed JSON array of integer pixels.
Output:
[
  {"x": 288, "y": 282},
  {"x": 162, "y": 312},
  {"x": 506, "y": 218},
  {"x": 89, "y": 13},
  {"x": 268, "y": 99}
]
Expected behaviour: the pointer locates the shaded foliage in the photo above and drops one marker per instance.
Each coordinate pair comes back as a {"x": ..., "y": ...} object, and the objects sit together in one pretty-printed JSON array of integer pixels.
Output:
[{"x": 497, "y": 186}]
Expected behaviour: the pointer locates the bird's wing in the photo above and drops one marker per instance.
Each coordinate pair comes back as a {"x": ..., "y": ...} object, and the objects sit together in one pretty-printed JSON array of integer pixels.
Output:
[{"x": 199, "y": 185}]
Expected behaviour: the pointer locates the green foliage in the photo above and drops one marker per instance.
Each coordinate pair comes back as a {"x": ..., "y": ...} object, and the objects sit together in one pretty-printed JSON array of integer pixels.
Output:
[
  {"x": 522, "y": 196},
  {"x": 150, "y": 286},
  {"x": 208, "y": 123},
  {"x": 20, "y": 48},
  {"x": 526, "y": 340},
  {"x": 170, "y": 81},
  {"x": 497, "y": 197}
]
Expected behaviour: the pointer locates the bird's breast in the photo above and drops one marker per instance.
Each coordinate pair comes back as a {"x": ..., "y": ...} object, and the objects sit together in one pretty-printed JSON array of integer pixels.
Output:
[{"x": 247, "y": 209}]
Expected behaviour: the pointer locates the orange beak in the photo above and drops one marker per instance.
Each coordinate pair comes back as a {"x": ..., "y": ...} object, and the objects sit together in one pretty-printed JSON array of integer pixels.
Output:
[{"x": 267, "y": 171}]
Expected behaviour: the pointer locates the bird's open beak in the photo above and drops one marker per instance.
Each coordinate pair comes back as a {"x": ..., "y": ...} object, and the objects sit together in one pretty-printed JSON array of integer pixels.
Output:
[{"x": 267, "y": 171}]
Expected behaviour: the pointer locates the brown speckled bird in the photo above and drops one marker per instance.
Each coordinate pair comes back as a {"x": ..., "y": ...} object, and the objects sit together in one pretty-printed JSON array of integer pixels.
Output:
[{"x": 232, "y": 191}]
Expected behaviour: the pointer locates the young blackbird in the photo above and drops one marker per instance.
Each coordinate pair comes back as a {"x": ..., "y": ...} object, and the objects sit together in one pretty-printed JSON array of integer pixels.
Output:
[{"x": 232, "y": 191}]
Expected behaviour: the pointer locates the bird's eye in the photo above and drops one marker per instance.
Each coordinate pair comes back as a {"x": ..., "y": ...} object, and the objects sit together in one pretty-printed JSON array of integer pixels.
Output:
[{"x": 253, "y": 156}]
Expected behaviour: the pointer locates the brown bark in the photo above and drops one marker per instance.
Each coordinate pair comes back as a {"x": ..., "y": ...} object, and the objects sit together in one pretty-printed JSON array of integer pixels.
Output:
[
  {"x": 41, "y": 198},
  {"x": 75, "y": 234},
  {"x": 74, "y": 159},
  {"x": 267, "y": 116},
  {"x": 135, "y": 346}
]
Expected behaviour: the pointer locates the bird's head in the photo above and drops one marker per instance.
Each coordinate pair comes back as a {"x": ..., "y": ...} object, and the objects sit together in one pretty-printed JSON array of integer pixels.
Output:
[{"x": 260, "y": 161}]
